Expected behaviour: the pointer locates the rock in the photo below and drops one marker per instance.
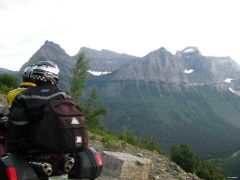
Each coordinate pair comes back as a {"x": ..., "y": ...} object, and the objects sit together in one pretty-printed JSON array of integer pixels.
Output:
[
  {"x": 125, "y": 166},
  {"x": 140, "y": 154},
  {"x": 160, "y": 167}
]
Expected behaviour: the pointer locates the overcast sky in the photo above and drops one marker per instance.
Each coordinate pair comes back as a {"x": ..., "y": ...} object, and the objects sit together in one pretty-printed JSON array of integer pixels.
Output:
[{"x": 134, "y": 27}]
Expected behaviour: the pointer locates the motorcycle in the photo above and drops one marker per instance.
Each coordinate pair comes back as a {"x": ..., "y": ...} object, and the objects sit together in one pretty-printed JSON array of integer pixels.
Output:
[{"x": 43, "y": 165}]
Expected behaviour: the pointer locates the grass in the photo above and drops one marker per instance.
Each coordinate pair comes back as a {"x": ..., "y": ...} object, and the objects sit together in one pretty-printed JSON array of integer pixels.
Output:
[{"x": 116, "y": 141}]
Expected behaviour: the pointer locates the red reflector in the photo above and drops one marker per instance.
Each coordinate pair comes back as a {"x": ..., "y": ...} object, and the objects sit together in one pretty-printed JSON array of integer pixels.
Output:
[
  {"x": 99, "y": 160},
  {"x": 12, "y": 174}
]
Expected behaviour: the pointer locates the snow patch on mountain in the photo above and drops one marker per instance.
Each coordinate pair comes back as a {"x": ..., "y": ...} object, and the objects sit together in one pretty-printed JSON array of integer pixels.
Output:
[
  {"x": 236, "y": 154},
  {"x": 230, "y": 89},
  {"x": 98, "y": 73},
  {"x": 228, "y": 80},
  {"x": 189, "y": 50},
  {"x": 188, "y": 71}
]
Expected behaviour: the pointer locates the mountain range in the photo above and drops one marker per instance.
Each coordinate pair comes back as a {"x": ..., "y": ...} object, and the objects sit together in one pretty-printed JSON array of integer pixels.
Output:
[
  {"x": 186, "y": 98},
  {"x": 182, "y": 98}
]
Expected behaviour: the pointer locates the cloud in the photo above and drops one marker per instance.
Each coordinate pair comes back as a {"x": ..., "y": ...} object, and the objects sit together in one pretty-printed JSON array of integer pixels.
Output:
[
  {"x": 133, "y": 27},
  {"x": 7, "y": 4}
]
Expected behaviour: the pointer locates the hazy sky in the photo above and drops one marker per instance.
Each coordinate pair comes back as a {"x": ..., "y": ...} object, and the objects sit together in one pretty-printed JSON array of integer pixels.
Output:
[{"x": 134, "y": 27}]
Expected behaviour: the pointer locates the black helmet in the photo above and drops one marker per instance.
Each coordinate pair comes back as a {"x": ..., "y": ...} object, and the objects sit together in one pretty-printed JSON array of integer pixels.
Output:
[{"x": 44, "y": 72}]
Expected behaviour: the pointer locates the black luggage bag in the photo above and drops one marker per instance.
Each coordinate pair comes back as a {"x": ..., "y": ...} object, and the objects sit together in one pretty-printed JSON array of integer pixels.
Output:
[{"x": 88, "y": 165}]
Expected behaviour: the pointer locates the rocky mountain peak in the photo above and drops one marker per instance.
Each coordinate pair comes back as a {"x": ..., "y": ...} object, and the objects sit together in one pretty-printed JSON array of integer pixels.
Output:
[
  {"x": 92, "y": 53},
  {"x": 103, "y": 53},
  {"x": 49, "y": 46},
  {"x": 161, "y": 52},
  {"x": 50, "y": 51},
  {"x": 105, "y": 60},
  {"x": 188, "y": 52}
]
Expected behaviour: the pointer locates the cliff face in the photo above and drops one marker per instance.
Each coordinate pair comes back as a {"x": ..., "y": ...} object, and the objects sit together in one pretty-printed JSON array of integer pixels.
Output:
[
  {"x": 187, "y": 67},
  {"x": 159, "y": 65}
]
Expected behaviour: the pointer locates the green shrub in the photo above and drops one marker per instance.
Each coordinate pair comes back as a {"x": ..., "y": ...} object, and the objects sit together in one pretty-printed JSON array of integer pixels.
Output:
[
  {"x": 112, "y": 140},
  {"x": 185, "y": 158},
  {"x": 210, "y": 171},
  {"x": 7, "y": 83},
  {"x": 190, "y": 162}
]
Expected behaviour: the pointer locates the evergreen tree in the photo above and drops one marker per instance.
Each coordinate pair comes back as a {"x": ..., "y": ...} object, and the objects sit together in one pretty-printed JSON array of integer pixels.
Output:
[
  {"x": 91, "y": 108},
  {"x": 190, "y": 162},
  {"x": 185, "y": 158},
  {"x": 210, "y": 171},
  {"x": 79, "y": 77}
]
